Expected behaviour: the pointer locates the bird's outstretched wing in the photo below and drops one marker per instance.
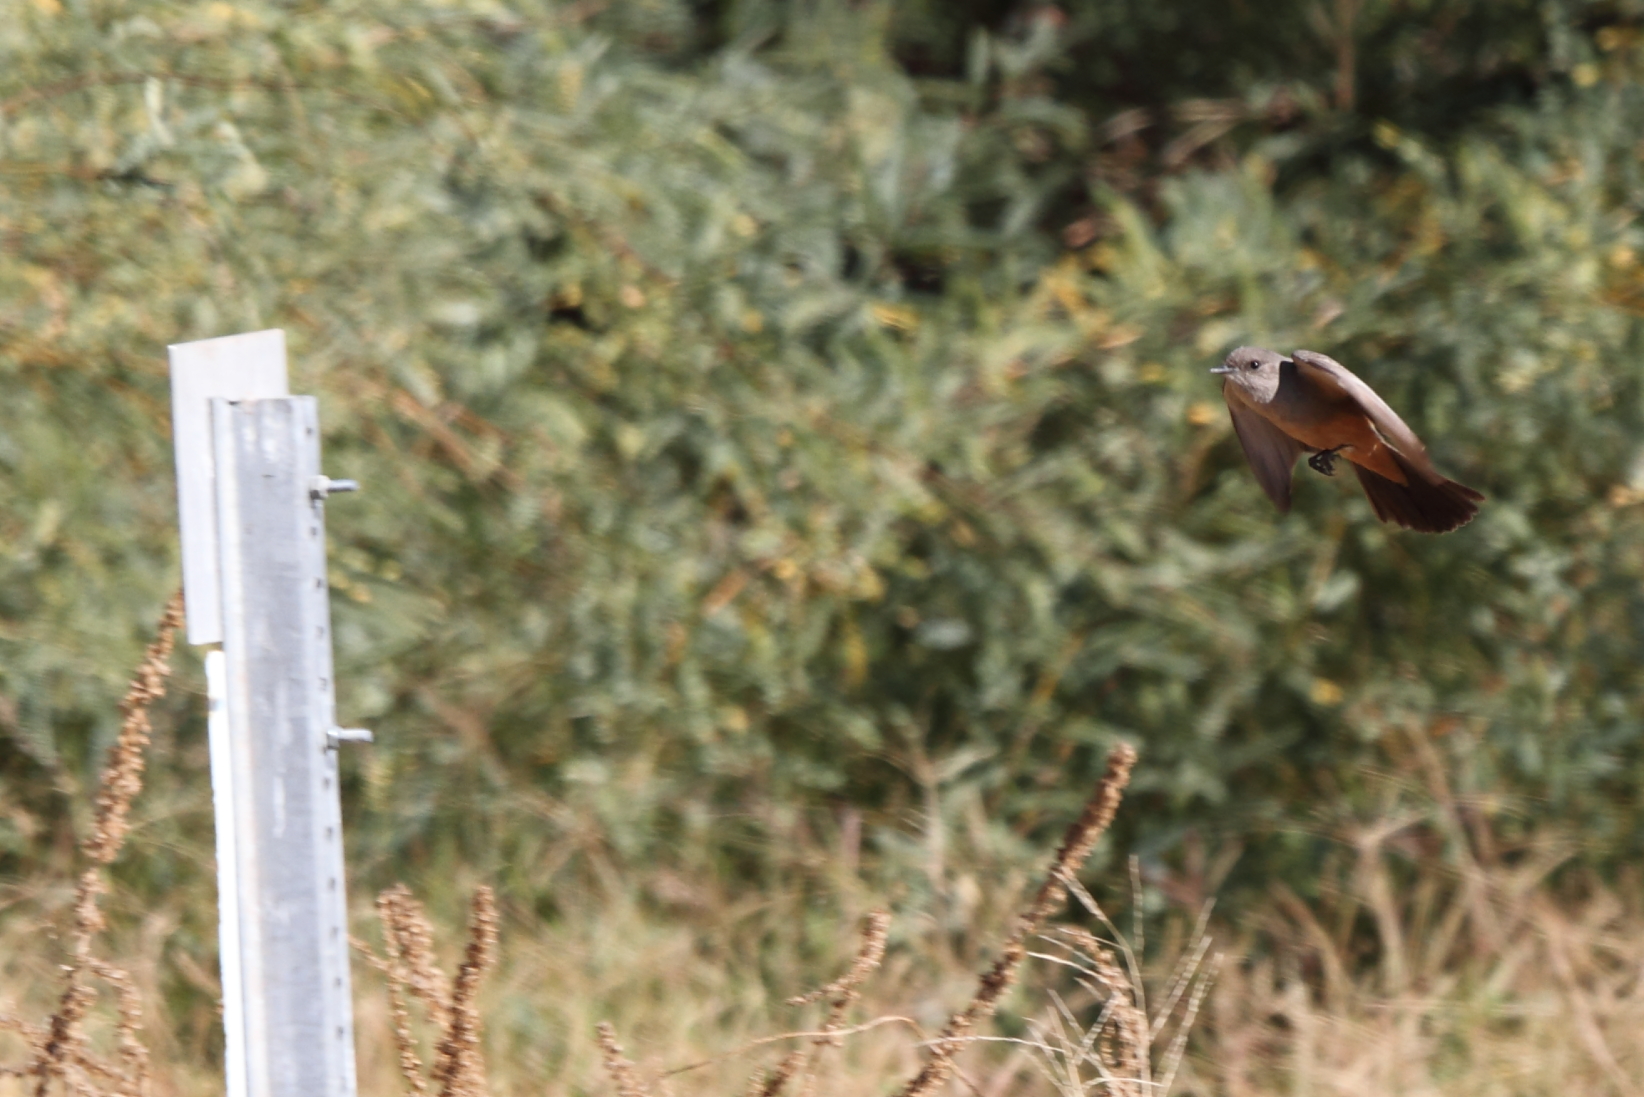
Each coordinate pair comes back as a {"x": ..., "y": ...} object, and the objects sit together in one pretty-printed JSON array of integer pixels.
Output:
[
  {"x": 1271, "y": 452},
  {"x": 1335, "y": 377}
]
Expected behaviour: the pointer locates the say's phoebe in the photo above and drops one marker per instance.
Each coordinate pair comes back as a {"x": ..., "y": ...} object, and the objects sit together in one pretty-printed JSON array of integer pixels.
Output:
[{"x": 1307, "y": 403}]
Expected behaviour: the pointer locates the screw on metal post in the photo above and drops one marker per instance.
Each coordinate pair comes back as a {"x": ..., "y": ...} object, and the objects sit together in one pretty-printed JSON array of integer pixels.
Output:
[
  {"x": 321, "y": 486},
  {"x": 337, "y": 736}
]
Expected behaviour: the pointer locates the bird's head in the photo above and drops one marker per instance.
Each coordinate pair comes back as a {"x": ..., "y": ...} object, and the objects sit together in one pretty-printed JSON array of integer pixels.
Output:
[{"x": 1255, "y": 370}]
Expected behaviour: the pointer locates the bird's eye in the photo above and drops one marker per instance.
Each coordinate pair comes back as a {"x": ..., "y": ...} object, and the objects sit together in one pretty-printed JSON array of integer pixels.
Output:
[{"x": 1251, "y": 366}]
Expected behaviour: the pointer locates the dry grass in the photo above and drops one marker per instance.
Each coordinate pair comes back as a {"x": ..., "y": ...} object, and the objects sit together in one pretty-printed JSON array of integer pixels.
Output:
[
  {"x": 1122, "y": 1048},
  {"x": 1115, "y": 1044},
  {"x": 1439, "y": 956},
  {"x": 1556, "y": 1010},
  {"x": 1440, "y": 959}
]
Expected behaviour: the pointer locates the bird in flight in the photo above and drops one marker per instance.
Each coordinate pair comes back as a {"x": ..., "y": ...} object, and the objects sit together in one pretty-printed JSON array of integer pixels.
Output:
[{"x": 1309, "y": 403}]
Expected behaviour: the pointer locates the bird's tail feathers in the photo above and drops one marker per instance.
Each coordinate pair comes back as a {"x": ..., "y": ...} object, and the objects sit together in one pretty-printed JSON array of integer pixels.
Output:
[{"x": 1423, "y": 505}]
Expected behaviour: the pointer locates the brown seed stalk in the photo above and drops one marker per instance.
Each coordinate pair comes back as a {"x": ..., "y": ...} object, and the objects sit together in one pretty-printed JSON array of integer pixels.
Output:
[
  {"x": 459, "y": 1066},
  {"x": 1080, "y": 839},
  {"x": 410, "y": 937},
  {"x": 620, "y": 1069},
  {"x": 63, "y": 1053},
  {"x": 840, "y": 994}
]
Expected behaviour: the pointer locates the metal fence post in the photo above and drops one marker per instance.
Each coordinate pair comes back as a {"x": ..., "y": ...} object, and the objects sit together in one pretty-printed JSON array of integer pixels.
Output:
[
  {"x": 252, "y": 497},
  {"x": 277, "y": 648}
]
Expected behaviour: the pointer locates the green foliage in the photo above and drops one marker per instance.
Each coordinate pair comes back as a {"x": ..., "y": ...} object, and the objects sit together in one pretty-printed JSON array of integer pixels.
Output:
[{"x": 742, "y": 442}]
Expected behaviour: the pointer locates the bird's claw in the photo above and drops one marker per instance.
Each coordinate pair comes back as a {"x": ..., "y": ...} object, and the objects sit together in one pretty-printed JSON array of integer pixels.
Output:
[{"x": 1324, "y": 461}]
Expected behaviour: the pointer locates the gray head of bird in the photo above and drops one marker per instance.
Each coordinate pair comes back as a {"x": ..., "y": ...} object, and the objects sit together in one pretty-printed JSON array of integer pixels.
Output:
[{"x": 1255, "y": 370}]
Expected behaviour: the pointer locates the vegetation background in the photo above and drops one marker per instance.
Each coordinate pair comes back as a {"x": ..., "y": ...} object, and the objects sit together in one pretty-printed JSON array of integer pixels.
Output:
[{"x": 790, "y": 465}]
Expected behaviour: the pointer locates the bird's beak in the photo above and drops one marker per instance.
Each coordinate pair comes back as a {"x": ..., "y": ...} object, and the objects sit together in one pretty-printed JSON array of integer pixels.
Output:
[{"x": 1224, "y": 369}]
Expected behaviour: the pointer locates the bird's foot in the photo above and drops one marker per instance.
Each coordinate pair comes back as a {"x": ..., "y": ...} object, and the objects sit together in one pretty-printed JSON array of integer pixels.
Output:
[{"x": 1324, "y": 461}]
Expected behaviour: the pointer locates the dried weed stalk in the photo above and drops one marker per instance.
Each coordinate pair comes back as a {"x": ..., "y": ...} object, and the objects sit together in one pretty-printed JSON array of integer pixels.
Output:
[
  {"x": 1080, "y": 839},
  {"x": 410, "y": 939},
  {"x": 840, "y": 995},
  {"x": 60, "y": 1049},
  {"x": 620, "y": 1068},
  {"x": 459, "y": 1065},
  {"x": 394, "y": 907},
  {"x": 410, "y": 968},
  {"x": 1117, "y": 1046}
]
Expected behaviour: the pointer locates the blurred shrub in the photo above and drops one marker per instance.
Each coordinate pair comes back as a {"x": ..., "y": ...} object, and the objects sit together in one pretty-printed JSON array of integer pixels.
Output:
[{"x": 743, "y": 441}]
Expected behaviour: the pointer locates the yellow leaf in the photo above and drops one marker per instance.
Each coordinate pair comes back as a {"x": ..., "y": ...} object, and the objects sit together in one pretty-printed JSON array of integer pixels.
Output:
[
  {"x": 1325, "y": 692},
  {"x": 895, "y": 316}
]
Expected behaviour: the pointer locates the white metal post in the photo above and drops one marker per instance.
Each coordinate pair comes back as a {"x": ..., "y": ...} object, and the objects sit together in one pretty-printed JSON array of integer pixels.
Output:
[
  {"x": 228, "y": 874},
  {"x": 277, "y": 646},
  {"x": 239, "y": 367},
  {"x": 252, "y": 499}
]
